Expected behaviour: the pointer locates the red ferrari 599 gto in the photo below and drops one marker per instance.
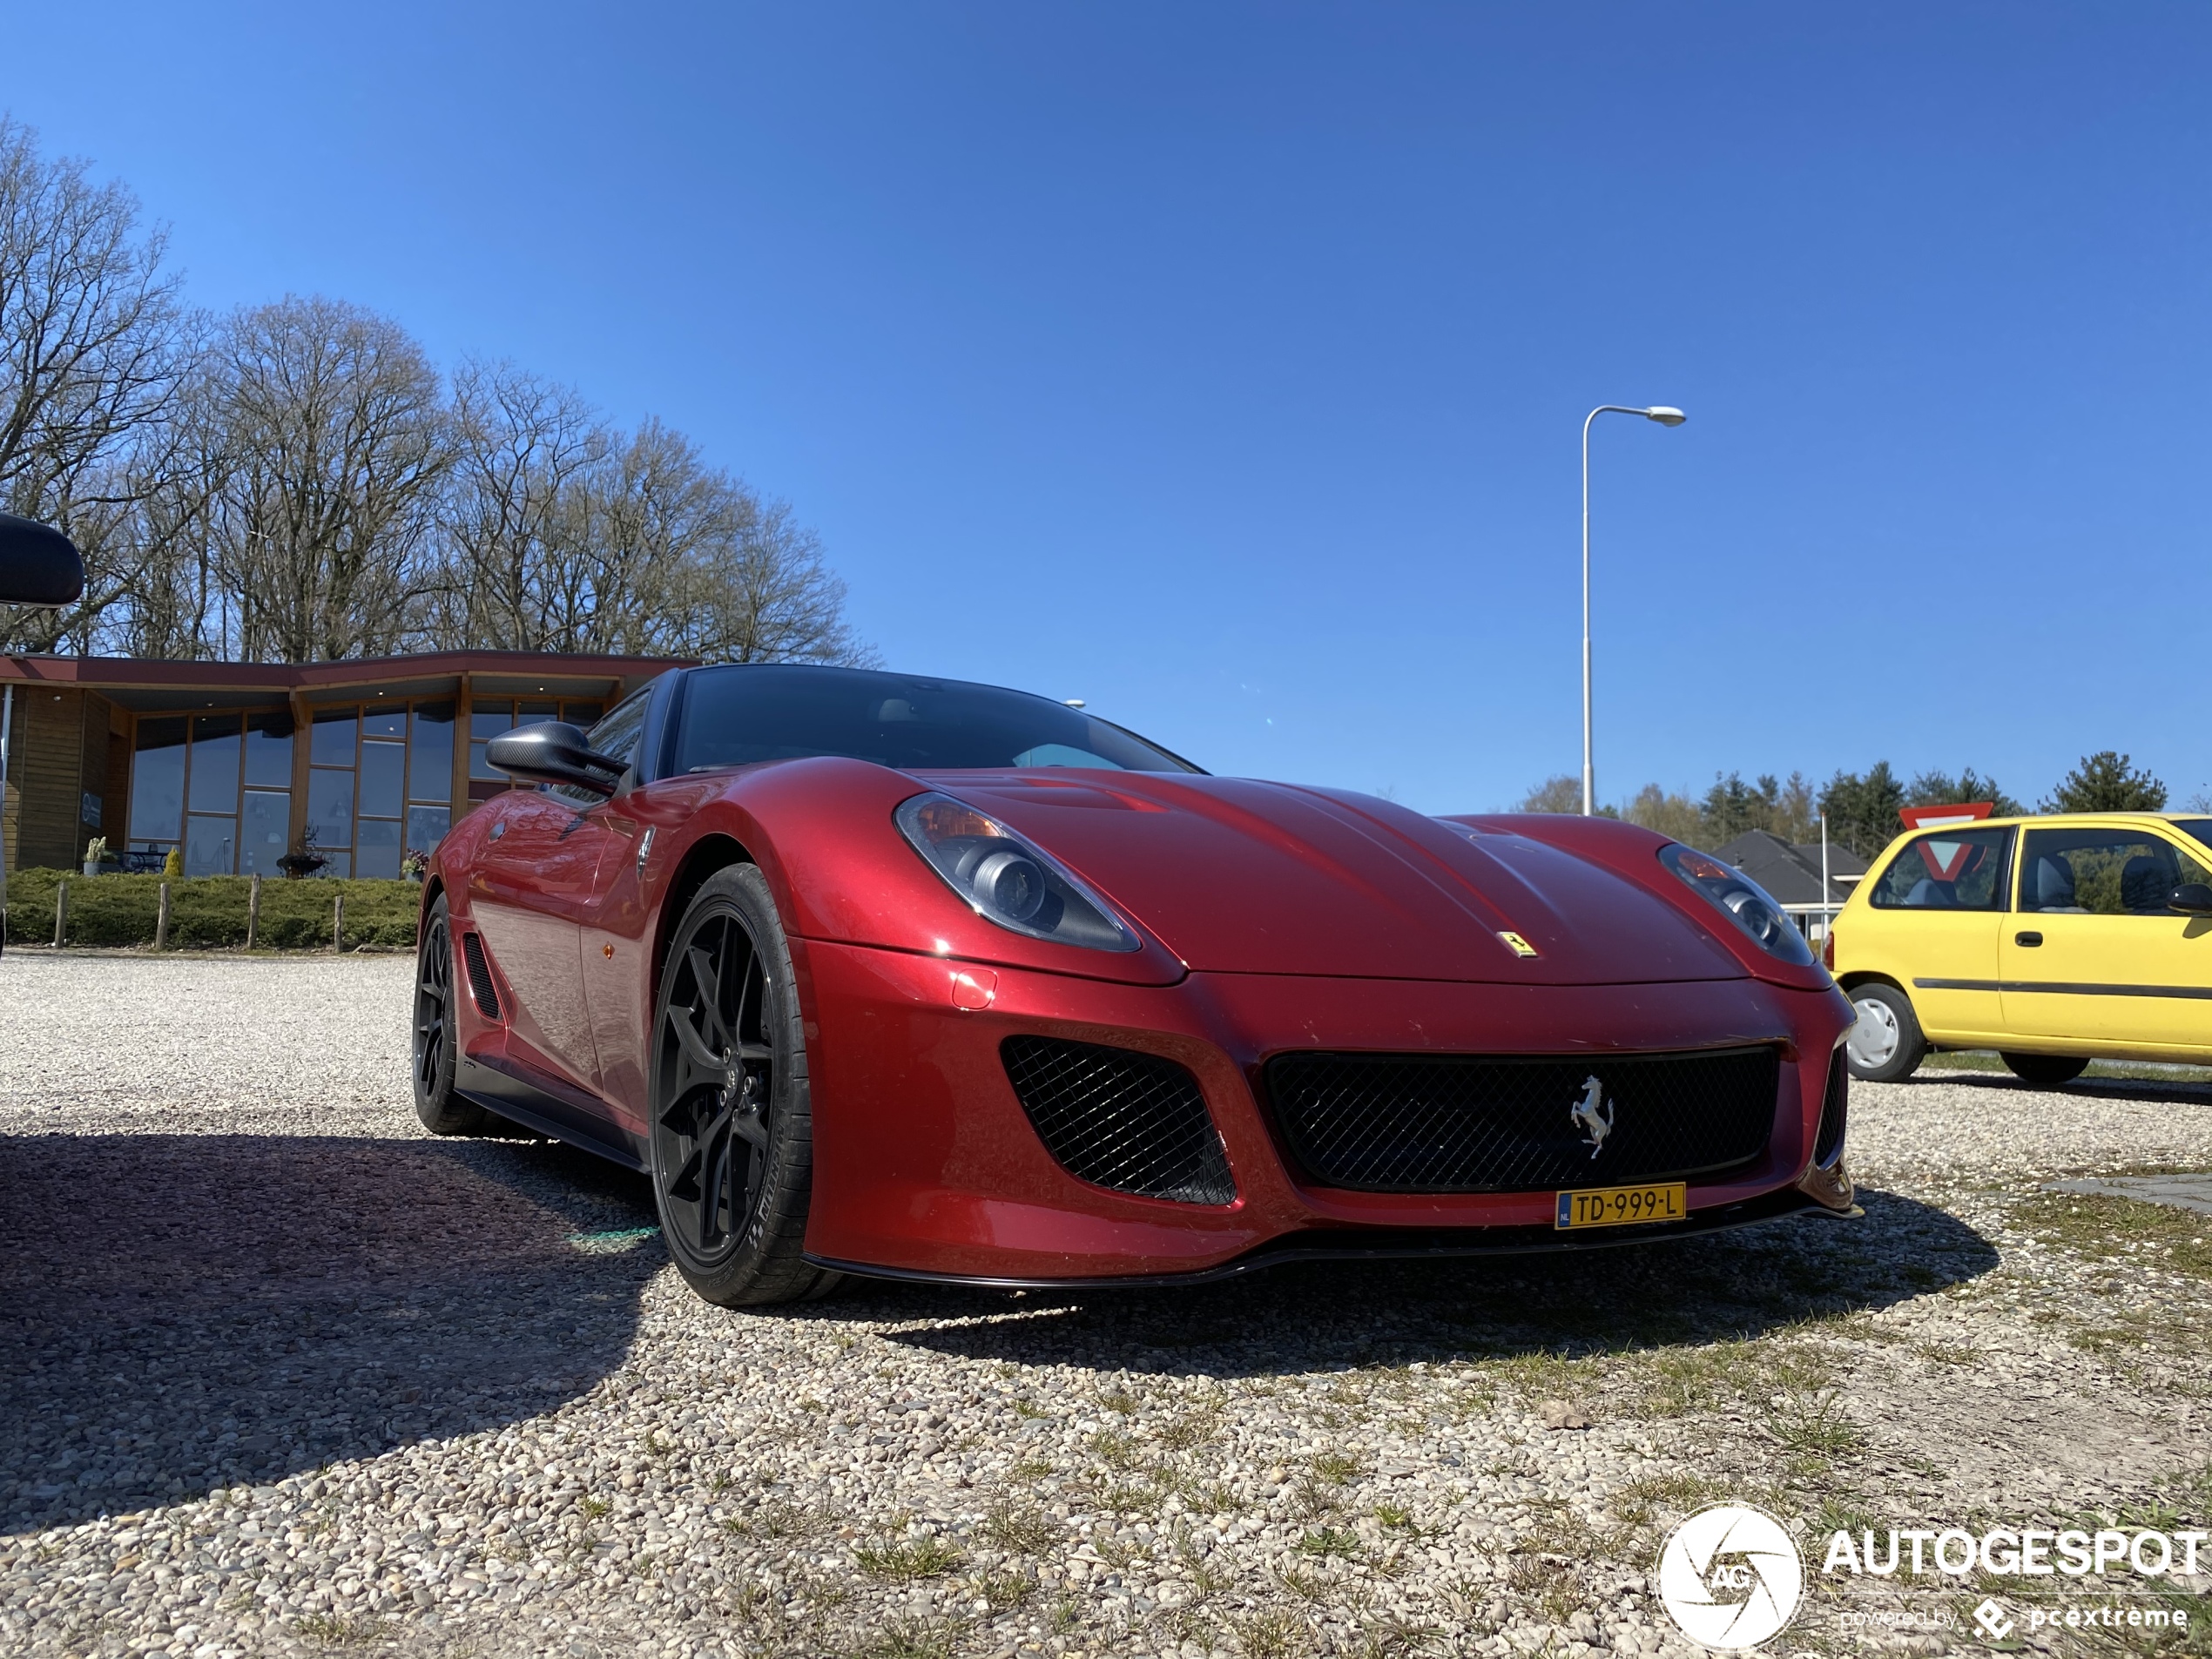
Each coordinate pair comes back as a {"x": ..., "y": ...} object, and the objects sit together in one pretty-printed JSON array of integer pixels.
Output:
[{"x": 915, "y": 978}]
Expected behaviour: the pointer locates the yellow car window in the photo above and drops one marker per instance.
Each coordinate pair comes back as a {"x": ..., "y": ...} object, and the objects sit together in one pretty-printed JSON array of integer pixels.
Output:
[
  {"x": 2103, "y": 871},
  {"x": 1947, "y": 869}
]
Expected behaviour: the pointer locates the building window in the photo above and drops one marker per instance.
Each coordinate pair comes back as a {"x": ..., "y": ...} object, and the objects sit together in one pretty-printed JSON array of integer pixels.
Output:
[
  {"x": 265, "y": 810},
  {"x": 265, "y": 820},
  {"x": 218, "y": 787},
  {"x": 334, "y": 747},
  {"x": 157, "y": 785},
  {"x": 486, "y": 721},
  {"x": 429, "y": 777}
]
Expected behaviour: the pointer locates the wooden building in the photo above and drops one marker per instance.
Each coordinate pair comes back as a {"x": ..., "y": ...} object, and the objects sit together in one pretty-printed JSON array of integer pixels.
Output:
[{"x": 238, "y": 763}]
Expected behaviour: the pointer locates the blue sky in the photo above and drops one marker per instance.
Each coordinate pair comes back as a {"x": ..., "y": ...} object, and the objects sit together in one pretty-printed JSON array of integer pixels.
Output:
[{"x": 1224, "y": 364}]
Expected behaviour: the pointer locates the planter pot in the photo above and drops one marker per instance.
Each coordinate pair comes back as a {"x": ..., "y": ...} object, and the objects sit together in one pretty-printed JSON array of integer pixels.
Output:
[{"x": 91, "y": 867}]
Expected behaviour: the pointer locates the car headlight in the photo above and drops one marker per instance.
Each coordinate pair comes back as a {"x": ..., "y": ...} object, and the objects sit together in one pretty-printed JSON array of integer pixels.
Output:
[
  {"x": 1005, "y": 879},
  {"x": 1743, "y": 900}
]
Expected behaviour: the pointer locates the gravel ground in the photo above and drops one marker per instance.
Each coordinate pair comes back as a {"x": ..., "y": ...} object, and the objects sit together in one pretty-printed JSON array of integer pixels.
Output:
[{"x": 282, "y": 1374}]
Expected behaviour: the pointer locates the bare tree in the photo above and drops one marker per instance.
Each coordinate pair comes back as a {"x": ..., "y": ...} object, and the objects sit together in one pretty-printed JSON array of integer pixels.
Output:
[
  {"x": 758, "y": 592},
  {"x": 523, "y": 451},
  {"x": 563, "y": 537},
  {"x": 290, "y": 483},
  {"x": 642, "y": 518},
  {"x": 92, "y": 347},
  {"x": 335, "y": 438}
]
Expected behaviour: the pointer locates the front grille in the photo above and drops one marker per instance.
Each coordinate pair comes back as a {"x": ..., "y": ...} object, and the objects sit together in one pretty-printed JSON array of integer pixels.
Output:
[
  {"x": 1116, "y": 1118},
  {"x": 480, "y": 976},
  {"x": 1477, "y": 1124},
  {"x": 1835, "y": 1107}
]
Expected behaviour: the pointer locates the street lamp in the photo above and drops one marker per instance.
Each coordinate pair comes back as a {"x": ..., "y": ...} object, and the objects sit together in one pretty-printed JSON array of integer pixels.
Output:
[{"x": 1665, "y": 416}]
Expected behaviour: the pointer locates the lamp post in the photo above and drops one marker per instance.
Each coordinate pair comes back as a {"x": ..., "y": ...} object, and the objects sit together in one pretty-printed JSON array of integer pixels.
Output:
[{"x": 1665, "y": 416}]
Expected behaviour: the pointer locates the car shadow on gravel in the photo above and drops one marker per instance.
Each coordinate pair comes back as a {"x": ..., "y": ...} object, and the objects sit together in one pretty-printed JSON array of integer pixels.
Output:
[
  {"x": 179, "y": 1313},
  {"x": 1321, "y": 1315}
]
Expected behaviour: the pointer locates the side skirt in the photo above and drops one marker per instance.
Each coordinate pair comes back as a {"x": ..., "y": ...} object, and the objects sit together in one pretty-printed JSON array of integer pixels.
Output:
[
  {"x": 1374, "y": 1245},
  {"x": 521, "y": 1100}
]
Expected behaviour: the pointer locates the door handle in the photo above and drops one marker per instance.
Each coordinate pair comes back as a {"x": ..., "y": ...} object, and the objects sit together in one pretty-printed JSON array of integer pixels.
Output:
[{"x": 2030, "y": 939}]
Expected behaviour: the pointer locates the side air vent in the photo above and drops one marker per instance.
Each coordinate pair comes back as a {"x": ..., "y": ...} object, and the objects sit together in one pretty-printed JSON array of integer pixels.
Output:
[
  {"x": 1116, "y": 1118},
  {"x": 1835, "y": 1107},
  {"x": 480, "y": 976}
]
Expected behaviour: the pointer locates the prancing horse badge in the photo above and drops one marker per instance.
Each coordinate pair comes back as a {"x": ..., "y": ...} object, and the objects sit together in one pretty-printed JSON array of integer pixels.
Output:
[{"x": 1593, "y": 1115}]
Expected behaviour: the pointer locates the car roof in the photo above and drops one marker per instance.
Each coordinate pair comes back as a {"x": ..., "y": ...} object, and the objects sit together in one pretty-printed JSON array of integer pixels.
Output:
[{"x": 2047, "y": 819}]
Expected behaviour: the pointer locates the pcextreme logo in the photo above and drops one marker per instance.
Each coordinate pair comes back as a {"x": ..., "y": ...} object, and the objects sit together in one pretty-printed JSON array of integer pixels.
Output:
[{"x": 1731, "y": 1577}]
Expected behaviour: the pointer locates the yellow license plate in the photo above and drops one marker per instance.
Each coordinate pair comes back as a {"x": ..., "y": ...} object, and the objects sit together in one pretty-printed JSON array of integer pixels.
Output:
[{"x": 1620, "y": 1206}]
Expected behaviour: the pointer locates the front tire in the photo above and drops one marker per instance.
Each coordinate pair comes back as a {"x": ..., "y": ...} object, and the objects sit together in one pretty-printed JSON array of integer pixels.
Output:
[
  {"x": 732, "y": 1147},
  {"x": 2044, "y": 1070},
  {"x": 437, "y": 1036},
  {"x": 1886, "y": 1045}
]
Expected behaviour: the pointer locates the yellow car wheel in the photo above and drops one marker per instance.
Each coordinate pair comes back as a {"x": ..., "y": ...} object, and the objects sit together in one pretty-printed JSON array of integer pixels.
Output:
[{"x": 1886, "y": 1045}]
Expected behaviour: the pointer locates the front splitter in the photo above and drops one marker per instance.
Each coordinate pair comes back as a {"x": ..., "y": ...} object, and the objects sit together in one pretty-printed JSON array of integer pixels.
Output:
[{"x": 1364, "y": 1245}]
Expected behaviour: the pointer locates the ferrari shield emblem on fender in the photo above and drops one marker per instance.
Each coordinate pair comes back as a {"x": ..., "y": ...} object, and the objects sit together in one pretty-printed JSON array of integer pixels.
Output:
[
  {"x": 1515, "y": 943},
  {"x": 1593, "y": 1115}
]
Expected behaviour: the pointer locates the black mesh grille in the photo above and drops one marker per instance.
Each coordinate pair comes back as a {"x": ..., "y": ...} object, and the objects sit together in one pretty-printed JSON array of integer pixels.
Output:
[
  {"x": 480, "y": 976},
  {"x": 1116, "y": 1118},
  {"x": 1468, "y": 1123},
  {"x": 1835, "y": 1107}
]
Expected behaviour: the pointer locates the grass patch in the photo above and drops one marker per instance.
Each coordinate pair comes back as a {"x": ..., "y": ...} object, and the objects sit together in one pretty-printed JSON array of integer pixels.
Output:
[
  {"x": 1324, "y": 1541},
  {"x": 1653, "y": 1503},
  {"x": 1116, "y": 1450},
  {"x": 208, "y": 912},
  {"x": 1396, "y": 1518},
  {"x": 341, "y": 1630},
  {"x": 905, "y": 1560},
  {"x": 2125, "y": 1231},
  {"x": 1017, "y": 1530},
  {"x": 1818, "y": 1436},
  {"x": 1333, "y": 1468},
  {"x": 913, "y": 1639},
  {"x": 1191, "y": 1429},
  {"x": 1269, "y": 1633},
  {"x": 1680, "y": 1382},
  {"x": 776, "y": 1518},
  {"x": 1002, "y": 1592}
]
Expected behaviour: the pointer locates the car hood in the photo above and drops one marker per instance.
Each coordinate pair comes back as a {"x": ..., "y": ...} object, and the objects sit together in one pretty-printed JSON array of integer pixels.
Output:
[{"x": 1242, "y": 877}]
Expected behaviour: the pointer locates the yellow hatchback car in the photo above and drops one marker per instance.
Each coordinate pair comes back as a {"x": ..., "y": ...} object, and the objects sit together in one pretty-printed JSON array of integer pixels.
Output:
[{"x": 2054, "y": 940}]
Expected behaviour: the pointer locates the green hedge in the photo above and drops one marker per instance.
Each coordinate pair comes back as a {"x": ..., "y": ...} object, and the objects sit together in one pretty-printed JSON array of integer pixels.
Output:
[{"x": 208, "y": 912}]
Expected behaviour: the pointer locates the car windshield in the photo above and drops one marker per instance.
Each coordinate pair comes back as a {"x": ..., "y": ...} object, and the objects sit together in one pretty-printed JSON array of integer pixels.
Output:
[
  {"x": 2200, "y": 828},
  {"x": 736, "y": 715}
]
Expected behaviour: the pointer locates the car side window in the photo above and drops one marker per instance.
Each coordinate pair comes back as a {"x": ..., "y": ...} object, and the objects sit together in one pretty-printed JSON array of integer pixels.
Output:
[
  {"x": 616, "y": 736},
  {"x": 1947, "y": 869},
  {"x": 2103, "y": 871}
]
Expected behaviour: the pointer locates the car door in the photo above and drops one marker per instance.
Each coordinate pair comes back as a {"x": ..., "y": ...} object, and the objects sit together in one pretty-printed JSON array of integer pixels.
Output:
[
  {"x": 614, "y": 971},
  {"x": 1936, "y": 909},
  {"x": 531, "y": 886},
  {"x": 2093, "y": 954},
  {"x": 617, "y": 966}
]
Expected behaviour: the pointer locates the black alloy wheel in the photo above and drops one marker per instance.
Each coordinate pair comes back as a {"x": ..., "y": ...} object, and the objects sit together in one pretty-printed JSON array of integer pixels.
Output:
[
  {"x": 732, "y": 1134},
  {"x": 436, "y": 1034}
]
